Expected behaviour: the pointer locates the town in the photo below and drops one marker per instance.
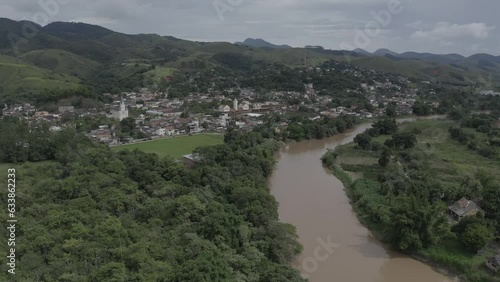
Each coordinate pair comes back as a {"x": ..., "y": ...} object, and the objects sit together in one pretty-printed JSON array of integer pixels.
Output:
[{"x": 154, "y": 114}]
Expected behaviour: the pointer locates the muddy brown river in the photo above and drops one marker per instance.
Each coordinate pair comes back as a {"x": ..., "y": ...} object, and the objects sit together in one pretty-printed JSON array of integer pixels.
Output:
[{"x": 336, "y": 246}]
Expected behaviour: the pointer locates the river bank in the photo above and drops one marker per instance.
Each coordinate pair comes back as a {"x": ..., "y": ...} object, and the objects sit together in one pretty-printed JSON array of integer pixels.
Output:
[
  {"x": 347, "y": 182},
  {"x": 353, "y": 165},
  {"x": 337, "y": 247}
]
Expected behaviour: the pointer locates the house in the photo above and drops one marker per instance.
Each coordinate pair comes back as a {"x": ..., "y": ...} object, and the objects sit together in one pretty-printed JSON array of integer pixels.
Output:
[
  {"x": 244, "y": 107},
  {"x": 160, "y": 131},
  {"x": 191, "y": 160},
  {"x": 493, "y": 263},
  {"x": 224, "y": 109},
  {"x": 489, "y": 93},
  {"x": 41, "y": 114},
  {"x": 463, "y": 208},
  {"x": 64, "y": 109},
  {"x": 170, "y": 131},
  {"x": 55, "y": 128}
]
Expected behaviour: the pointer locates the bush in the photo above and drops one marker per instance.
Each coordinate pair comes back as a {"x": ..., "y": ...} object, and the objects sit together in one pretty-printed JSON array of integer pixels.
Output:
[{"x": 375, "y": 146}]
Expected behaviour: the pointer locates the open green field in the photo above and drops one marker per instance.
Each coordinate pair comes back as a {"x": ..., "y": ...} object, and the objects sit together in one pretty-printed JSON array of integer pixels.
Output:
[
  {"x": 175, "y": 147},
  {"x": 448, "y": 159}
]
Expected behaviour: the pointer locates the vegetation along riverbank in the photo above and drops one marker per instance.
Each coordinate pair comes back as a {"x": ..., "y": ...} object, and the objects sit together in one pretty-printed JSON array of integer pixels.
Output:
[{"x": 429, "y": 188}]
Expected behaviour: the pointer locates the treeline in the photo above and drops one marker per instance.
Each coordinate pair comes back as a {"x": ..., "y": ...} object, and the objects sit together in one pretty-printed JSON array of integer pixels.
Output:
[
  {"x": 20, "y": 142},
  {"x": 299, "y": 127},
  {"x": 93, "y": 215}
]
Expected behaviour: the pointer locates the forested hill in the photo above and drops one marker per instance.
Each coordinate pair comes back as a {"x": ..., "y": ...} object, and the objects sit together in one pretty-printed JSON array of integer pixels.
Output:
[
  {"x": 89, "y": 214},
  {"x": 66, "y": 55}
]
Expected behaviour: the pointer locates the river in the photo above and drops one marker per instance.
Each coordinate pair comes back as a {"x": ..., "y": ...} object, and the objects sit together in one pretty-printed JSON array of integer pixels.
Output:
[{"x": 336, "y": 246}]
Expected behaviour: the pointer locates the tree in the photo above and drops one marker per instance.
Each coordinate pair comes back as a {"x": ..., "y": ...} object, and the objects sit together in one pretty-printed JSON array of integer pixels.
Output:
[
  {"x": 476, "y": 236},
  {"x": 472, "y": 187},
  {"x": 386, "y": 126},
  {"x": 391, "y": 111},
  {"x": 491, "y": 198},
  {"x": 421, "y": 109},
  {"x": 364, "y": 141},
  {"x": 416, "y": 224},
  {"x": 407, "y": 140},
  {"x": 385, "y": 158}
]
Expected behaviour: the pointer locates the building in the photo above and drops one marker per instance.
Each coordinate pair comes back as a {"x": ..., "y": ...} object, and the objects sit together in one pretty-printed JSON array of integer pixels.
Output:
[
  {"x": 191, "y": 160},
  {"x": 489, "y": 93},
  {"x": 493, "y": 263},
  {"x": 244, "y": 107},
  {"x": 235, "y": 104},
  {"x": 464, "y": 208},
  {"x": 41, "y": 114},
  {"x": 65, "y": 109},
  {"x": 160, "y": 131},
  {"x": 122, "y": 113},
  {"x": 170, "y": 131},
  {"x": 224, "y": 108},
  {"x": 55, "y": 128},
  {"x": 194, "y": 127}
]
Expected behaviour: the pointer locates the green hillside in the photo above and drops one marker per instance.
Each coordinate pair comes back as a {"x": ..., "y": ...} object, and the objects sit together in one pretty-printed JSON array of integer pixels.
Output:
[
  {"x": 462, "y": 74},
  {"x": 17, "y": 77},
  {"x": 65, "y": 54},
  {"x": 61, "y": 62}
]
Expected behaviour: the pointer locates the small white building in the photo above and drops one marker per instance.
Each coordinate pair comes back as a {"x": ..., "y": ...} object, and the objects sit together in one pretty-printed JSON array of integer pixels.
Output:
[
  {"x": 224, "y": 108},
  {"x": 244, "y": 107},
  {"x": 160, "y": 131},
  {"x": 170, "y": 131}
]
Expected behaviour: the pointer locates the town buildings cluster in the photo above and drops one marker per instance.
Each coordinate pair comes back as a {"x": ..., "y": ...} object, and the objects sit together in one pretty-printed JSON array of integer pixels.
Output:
[{"x": 156, "y": 115}]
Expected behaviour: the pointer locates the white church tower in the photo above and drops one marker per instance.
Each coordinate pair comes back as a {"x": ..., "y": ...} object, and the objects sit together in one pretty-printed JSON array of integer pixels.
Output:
[
  {"x": 122, "y": 113},
  {"x": 235, "y": 104}
]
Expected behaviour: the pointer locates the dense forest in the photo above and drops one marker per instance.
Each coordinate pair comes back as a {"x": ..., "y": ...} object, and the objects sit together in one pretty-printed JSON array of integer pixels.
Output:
[{"x": 88, "y": 214}]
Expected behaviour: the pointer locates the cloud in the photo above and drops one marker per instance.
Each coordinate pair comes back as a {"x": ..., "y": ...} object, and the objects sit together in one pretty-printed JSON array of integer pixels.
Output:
[
  {"x": 292, "y": 22},
  {"x": 416, "y": 25},
  {"x": 447, "y": 30}
]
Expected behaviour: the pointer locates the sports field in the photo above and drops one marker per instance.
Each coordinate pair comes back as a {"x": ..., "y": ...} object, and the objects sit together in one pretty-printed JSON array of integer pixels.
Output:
[{"x": 175, "y": 147}]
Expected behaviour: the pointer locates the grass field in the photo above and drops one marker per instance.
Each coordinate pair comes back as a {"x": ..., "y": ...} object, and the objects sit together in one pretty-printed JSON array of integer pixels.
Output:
[
  {"x": 158, "y": 74},
  {"x": 175, "y": 147}
]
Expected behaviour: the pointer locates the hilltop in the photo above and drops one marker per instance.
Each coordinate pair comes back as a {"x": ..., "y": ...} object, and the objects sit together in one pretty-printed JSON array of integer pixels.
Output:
[
  {"x": 66, "y": 55},
  {"x": 261, "y": 43}
]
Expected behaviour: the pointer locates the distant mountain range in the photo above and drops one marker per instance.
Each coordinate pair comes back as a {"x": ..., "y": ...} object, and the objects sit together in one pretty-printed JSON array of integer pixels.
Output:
[
  {"x": 261, "y": 43},
  {"x": 66, "y": 55},
  {"x": 439, "y": 58}
]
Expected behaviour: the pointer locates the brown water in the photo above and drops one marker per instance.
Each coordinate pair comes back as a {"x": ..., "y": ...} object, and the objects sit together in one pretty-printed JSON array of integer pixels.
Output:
[{"x": 336, "y": 246}]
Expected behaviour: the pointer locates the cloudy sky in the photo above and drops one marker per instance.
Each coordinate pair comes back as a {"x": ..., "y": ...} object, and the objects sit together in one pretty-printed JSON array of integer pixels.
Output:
[{"x": 437, "y": 26}]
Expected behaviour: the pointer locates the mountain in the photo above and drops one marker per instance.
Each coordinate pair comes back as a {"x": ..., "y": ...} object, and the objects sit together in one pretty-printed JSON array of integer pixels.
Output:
[
  {"x": 384, "y": 52},
  {"x": 65, "y": 55},
  {"x": 362, "y": 52},
  {"x": 76, "y": 31},
  {"x": 260, "y": 43}
]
